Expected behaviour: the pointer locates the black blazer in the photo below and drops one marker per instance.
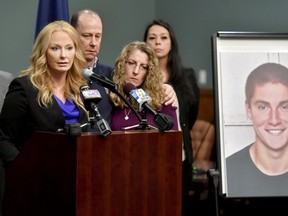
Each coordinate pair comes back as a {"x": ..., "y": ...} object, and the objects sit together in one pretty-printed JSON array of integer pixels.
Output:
[
  {"x": 21, "y": 115},
  {"x": 188, "y": 112}
]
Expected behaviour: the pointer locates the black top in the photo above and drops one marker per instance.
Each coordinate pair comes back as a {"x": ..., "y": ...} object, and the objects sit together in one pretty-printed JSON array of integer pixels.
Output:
[
  {"x": 188, "y": 112},
  {"x": 244, "y": 179}
]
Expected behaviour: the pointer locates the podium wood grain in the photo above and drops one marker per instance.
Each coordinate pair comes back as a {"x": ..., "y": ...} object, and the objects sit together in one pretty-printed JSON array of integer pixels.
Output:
[{"x": 124, "y": 174}]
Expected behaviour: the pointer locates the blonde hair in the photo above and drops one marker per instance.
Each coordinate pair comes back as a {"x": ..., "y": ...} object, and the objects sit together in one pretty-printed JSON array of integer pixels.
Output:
[
  {"x": 38, "y": 71},
  {"x": 153, "y": 81}
]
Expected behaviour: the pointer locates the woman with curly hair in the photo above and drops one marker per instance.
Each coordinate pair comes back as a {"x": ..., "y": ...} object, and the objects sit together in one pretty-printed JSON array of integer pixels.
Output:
[{"x": 137, "y": 64}]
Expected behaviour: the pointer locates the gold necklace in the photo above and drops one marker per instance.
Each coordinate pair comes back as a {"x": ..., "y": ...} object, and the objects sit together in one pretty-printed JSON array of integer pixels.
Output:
[{"x": 126, "y": 117}]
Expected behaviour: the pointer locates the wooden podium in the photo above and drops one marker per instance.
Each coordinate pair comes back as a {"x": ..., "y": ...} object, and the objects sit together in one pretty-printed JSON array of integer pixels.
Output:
[{"x": 124, "y": 174}]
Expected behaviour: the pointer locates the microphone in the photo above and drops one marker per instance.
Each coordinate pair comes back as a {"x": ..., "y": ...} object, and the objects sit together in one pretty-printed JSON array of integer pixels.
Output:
[
  {"x": 141, "y": 100},
  {"x": 102, "y": 80},
  {"x": 105, "y": 82},
  {"x": 91, "y": 97}
]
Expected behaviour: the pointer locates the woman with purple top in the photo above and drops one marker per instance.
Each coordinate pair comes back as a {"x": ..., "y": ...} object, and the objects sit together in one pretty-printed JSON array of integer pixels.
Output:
[
  {"x": 137, "y": 64},
  {"x": 45, "y": 96}
]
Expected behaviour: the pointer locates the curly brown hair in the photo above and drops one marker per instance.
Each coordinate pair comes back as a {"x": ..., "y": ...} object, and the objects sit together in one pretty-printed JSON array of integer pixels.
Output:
[{"x": 153, "y": 80}]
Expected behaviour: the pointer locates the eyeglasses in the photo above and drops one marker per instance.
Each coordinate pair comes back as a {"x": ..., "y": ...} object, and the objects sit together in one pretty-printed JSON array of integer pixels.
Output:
[{"x": 132, "y": 65}]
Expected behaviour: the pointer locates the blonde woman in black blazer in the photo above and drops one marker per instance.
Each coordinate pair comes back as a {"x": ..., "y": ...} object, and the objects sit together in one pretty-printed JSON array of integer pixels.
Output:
[
  {"x": 36, "y": 99},
  {"x": 45, "y": 97}
]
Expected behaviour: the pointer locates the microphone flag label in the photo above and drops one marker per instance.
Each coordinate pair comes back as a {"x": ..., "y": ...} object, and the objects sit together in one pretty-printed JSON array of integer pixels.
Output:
[
  {"x": 91, "y": 93},
  {"x": 139, "y": 96}
]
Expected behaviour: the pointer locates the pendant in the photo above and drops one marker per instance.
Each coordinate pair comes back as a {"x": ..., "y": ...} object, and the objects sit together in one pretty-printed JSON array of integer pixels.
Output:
[{"x": 126, "y": 116}]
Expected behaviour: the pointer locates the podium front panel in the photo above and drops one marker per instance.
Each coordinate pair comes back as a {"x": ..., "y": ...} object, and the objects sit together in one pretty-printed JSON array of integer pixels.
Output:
[{"x": 126, "y": 173}]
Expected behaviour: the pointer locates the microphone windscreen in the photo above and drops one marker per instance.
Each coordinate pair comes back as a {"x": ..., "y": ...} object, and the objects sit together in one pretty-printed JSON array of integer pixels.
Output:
[
  {"x": 86, "y": 74},
  {"x": 84, "y": 87},
  {"x": 128, "y": 87}
]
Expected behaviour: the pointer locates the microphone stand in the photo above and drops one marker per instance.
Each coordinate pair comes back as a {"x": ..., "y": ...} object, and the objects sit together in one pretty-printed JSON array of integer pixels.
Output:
[
  {"x": 143, "y": 124},
  {"x": 101, "y": 123},
  {"x": 114, "y": 90}
]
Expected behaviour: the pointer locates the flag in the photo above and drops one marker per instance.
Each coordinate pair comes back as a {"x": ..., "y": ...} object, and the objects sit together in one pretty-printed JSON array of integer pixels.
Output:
[{"x": 49, "y": 11}]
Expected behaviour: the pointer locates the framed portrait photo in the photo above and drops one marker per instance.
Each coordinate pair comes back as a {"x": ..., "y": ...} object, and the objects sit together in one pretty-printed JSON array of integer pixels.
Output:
[{"x": 235, "y": 56}]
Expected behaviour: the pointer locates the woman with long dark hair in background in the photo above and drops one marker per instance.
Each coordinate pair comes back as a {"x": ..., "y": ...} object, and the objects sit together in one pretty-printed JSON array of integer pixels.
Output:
[{"x": 160, "y": 36}]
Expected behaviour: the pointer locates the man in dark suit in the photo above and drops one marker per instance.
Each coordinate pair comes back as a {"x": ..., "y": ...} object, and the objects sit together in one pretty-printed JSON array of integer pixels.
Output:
[{"x": 89, "y": 25}]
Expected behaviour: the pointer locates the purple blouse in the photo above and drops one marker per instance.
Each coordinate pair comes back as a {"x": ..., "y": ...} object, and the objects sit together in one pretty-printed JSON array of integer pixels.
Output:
[
  {"x": 69, "y": 110},
  {"x": 125, "y": 117}
]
